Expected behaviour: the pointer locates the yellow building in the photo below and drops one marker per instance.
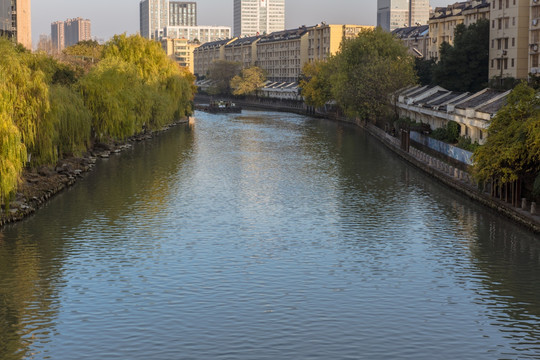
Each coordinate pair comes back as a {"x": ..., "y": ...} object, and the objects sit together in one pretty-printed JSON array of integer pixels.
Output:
[
  {"x": 324, "y": 40},
  {"x": 243, "y": 51},
  {"x": 476, "y": 10},
  {"x": 282, "y": 54},
  {"x": 509, "y": 39},
  {"x": 442, "y": 25},
  {"x": 181, "y": 51},
  {"x": 206, "y": 54}
]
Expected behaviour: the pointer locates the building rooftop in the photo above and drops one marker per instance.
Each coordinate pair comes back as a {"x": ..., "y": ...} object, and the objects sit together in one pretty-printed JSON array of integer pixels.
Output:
[
  {"x": 478, "y": 99},
  {"x": 285, "y": 35}
]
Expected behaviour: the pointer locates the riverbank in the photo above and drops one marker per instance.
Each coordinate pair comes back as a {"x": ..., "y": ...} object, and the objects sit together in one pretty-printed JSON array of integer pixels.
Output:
[
  {"x": 446, "y": 173},
  {"x": 38, "y": 185}
]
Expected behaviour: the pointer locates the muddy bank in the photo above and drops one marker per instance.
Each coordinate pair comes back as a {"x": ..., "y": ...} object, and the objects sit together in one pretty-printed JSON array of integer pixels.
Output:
[{"x": 40, "y": 184}]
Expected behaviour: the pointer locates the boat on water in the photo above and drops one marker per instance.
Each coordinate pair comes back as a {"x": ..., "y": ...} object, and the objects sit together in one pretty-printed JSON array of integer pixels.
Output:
[{"x": 220, "y": 106}]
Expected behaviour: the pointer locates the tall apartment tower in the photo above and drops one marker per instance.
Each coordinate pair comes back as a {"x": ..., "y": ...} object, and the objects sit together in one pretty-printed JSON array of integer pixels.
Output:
[
  {"x": 393, "y": 14},
  {"x": 258, "y": 17},
  {"x": 15, "y": 21},
  {"x": 418, "y": 12},
  {"x": 182, "y": 13},
  {"x": 76, "y": 30},
  {"x": 58, "y": 36},
  {"x": 154, "y": 16}
]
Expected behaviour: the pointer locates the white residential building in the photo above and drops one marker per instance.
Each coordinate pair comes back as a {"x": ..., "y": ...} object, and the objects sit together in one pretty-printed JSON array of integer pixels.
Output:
[
  {"x": 258, "y": 17},
  {"x": 394, "y": 14},
  {"x": 154, "y": 16},
  {"x": 202, "y": 34}
]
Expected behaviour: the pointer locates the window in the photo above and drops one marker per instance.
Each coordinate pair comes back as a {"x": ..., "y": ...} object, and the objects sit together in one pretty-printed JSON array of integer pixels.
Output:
[
  {"x": 513, "y": 42},
  {"x": 512, "y": 62}
]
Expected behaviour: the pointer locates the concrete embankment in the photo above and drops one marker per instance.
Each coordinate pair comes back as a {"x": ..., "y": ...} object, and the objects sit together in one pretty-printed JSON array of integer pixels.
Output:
[
  {"x": 38, "y": 185},
  {"x": 444, "y": 172}
]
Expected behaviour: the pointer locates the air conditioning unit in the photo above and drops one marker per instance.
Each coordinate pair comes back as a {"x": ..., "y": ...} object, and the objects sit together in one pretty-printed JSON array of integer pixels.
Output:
[
  {"x": 535, "y": 22},
  {"x": 534, "y": 47},
  {"x": 533, "y": 71}
]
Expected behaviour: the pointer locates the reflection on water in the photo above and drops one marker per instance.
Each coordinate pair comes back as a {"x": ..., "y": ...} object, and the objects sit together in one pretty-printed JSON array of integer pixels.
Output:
[{"x": 264, "y": 236}]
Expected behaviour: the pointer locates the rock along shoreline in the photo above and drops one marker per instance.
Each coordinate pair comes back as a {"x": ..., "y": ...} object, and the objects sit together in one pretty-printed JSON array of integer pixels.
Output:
[{"x": 40, "y": 184}]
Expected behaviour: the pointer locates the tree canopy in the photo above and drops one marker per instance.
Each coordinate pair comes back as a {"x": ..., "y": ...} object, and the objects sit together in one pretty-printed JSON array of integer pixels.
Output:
[
  {"x": 512, "y": 150},
  {"x": 249, "y": 81},
  {"x": 50, "y": 108},
  {"x": 315, "y": 83},
  {"x": 221, "y": 72},
  {"x": 363, "y": 74},
  {"x": 465, "y": 65}
]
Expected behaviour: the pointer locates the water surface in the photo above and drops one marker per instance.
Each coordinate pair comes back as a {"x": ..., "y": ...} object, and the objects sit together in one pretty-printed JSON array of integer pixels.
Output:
[{"x": 266, "y": 236}]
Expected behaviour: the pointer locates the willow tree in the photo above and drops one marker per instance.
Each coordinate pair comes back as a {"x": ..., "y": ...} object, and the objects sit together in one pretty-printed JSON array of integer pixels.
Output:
[
  {"x": 512, "y": 150},
  {"x": 168, "y": 88},
  {"x": 72, "y": 121},
  {"x": 26, "y": 96},
  {"x": 111, "y": 91},
  {"x": 367, "y": 70}
]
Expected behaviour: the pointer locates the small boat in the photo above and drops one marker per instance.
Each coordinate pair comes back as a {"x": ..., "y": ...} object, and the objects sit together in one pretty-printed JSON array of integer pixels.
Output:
[{"x": 216, "y": 107}]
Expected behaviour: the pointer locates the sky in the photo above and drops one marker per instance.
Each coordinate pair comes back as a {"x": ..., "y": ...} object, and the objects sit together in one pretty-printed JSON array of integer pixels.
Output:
[{"x": 111, "y": 17}]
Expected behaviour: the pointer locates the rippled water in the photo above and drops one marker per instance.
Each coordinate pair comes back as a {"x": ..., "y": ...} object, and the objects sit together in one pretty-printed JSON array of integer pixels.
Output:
[{"x": 266, "y": 236}]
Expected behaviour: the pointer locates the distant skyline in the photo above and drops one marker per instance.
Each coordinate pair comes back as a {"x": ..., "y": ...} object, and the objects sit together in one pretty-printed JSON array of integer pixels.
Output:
[{"x": 111, "y": 17}]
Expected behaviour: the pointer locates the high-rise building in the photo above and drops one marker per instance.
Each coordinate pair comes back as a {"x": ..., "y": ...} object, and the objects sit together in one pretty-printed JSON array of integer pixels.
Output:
[
  {"x": 15, "y": 21},
  {"x": 69, "y": 32},
  {"x": 394, "y": 14},
  {"x": 58, "y": 36},
  {"x": 182, "y": 13},
  {"x": 418, "y": 12},
  {"x": 258, "y": 17},
  {"x": 200, "y": 34},
  {"x": 154, "y": 16},
  {"x": 76, "y": 30}
]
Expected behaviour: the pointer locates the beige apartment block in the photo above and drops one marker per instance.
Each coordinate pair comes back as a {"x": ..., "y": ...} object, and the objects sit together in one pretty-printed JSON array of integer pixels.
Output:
[
  {"x": 325, "y": 40},
  {"x": 243, "y": 51},
  {"x": 476, "y": 10},
  {"x": 206, "y": 54},
  {"x": 24, "y": 23},
  {"x": 442, "y": 25},
  {"x": 534, "y": 38},
  {"x": 509, "y": 39},
  {"x": 283, "y": 53},
  {"x": 181, "y": 51}
]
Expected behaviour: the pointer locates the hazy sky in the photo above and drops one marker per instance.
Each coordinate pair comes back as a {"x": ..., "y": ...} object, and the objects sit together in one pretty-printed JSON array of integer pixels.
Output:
[{"x": 111, "y": 17}]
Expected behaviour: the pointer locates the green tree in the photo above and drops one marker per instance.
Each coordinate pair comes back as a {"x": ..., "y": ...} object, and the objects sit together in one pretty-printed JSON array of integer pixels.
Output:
[
  {"x": 90, "y": 49},
  {"x": 464, "y": 66},
  {"x": 367, "y": 70},
  {"x": 249, "y": 81},
  {"x": 111, "y": 92},
  {"x": 221, "y": 72},
  {"x": 424, "y": 70},
  {"x": 72, "y": 121},
  {"x": 512, "y": 150},
  {"x": 315, "y": 83}
]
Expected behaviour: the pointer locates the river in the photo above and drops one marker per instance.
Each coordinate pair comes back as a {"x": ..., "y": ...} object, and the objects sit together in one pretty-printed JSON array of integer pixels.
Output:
[{"x": 266, "y": 235}]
